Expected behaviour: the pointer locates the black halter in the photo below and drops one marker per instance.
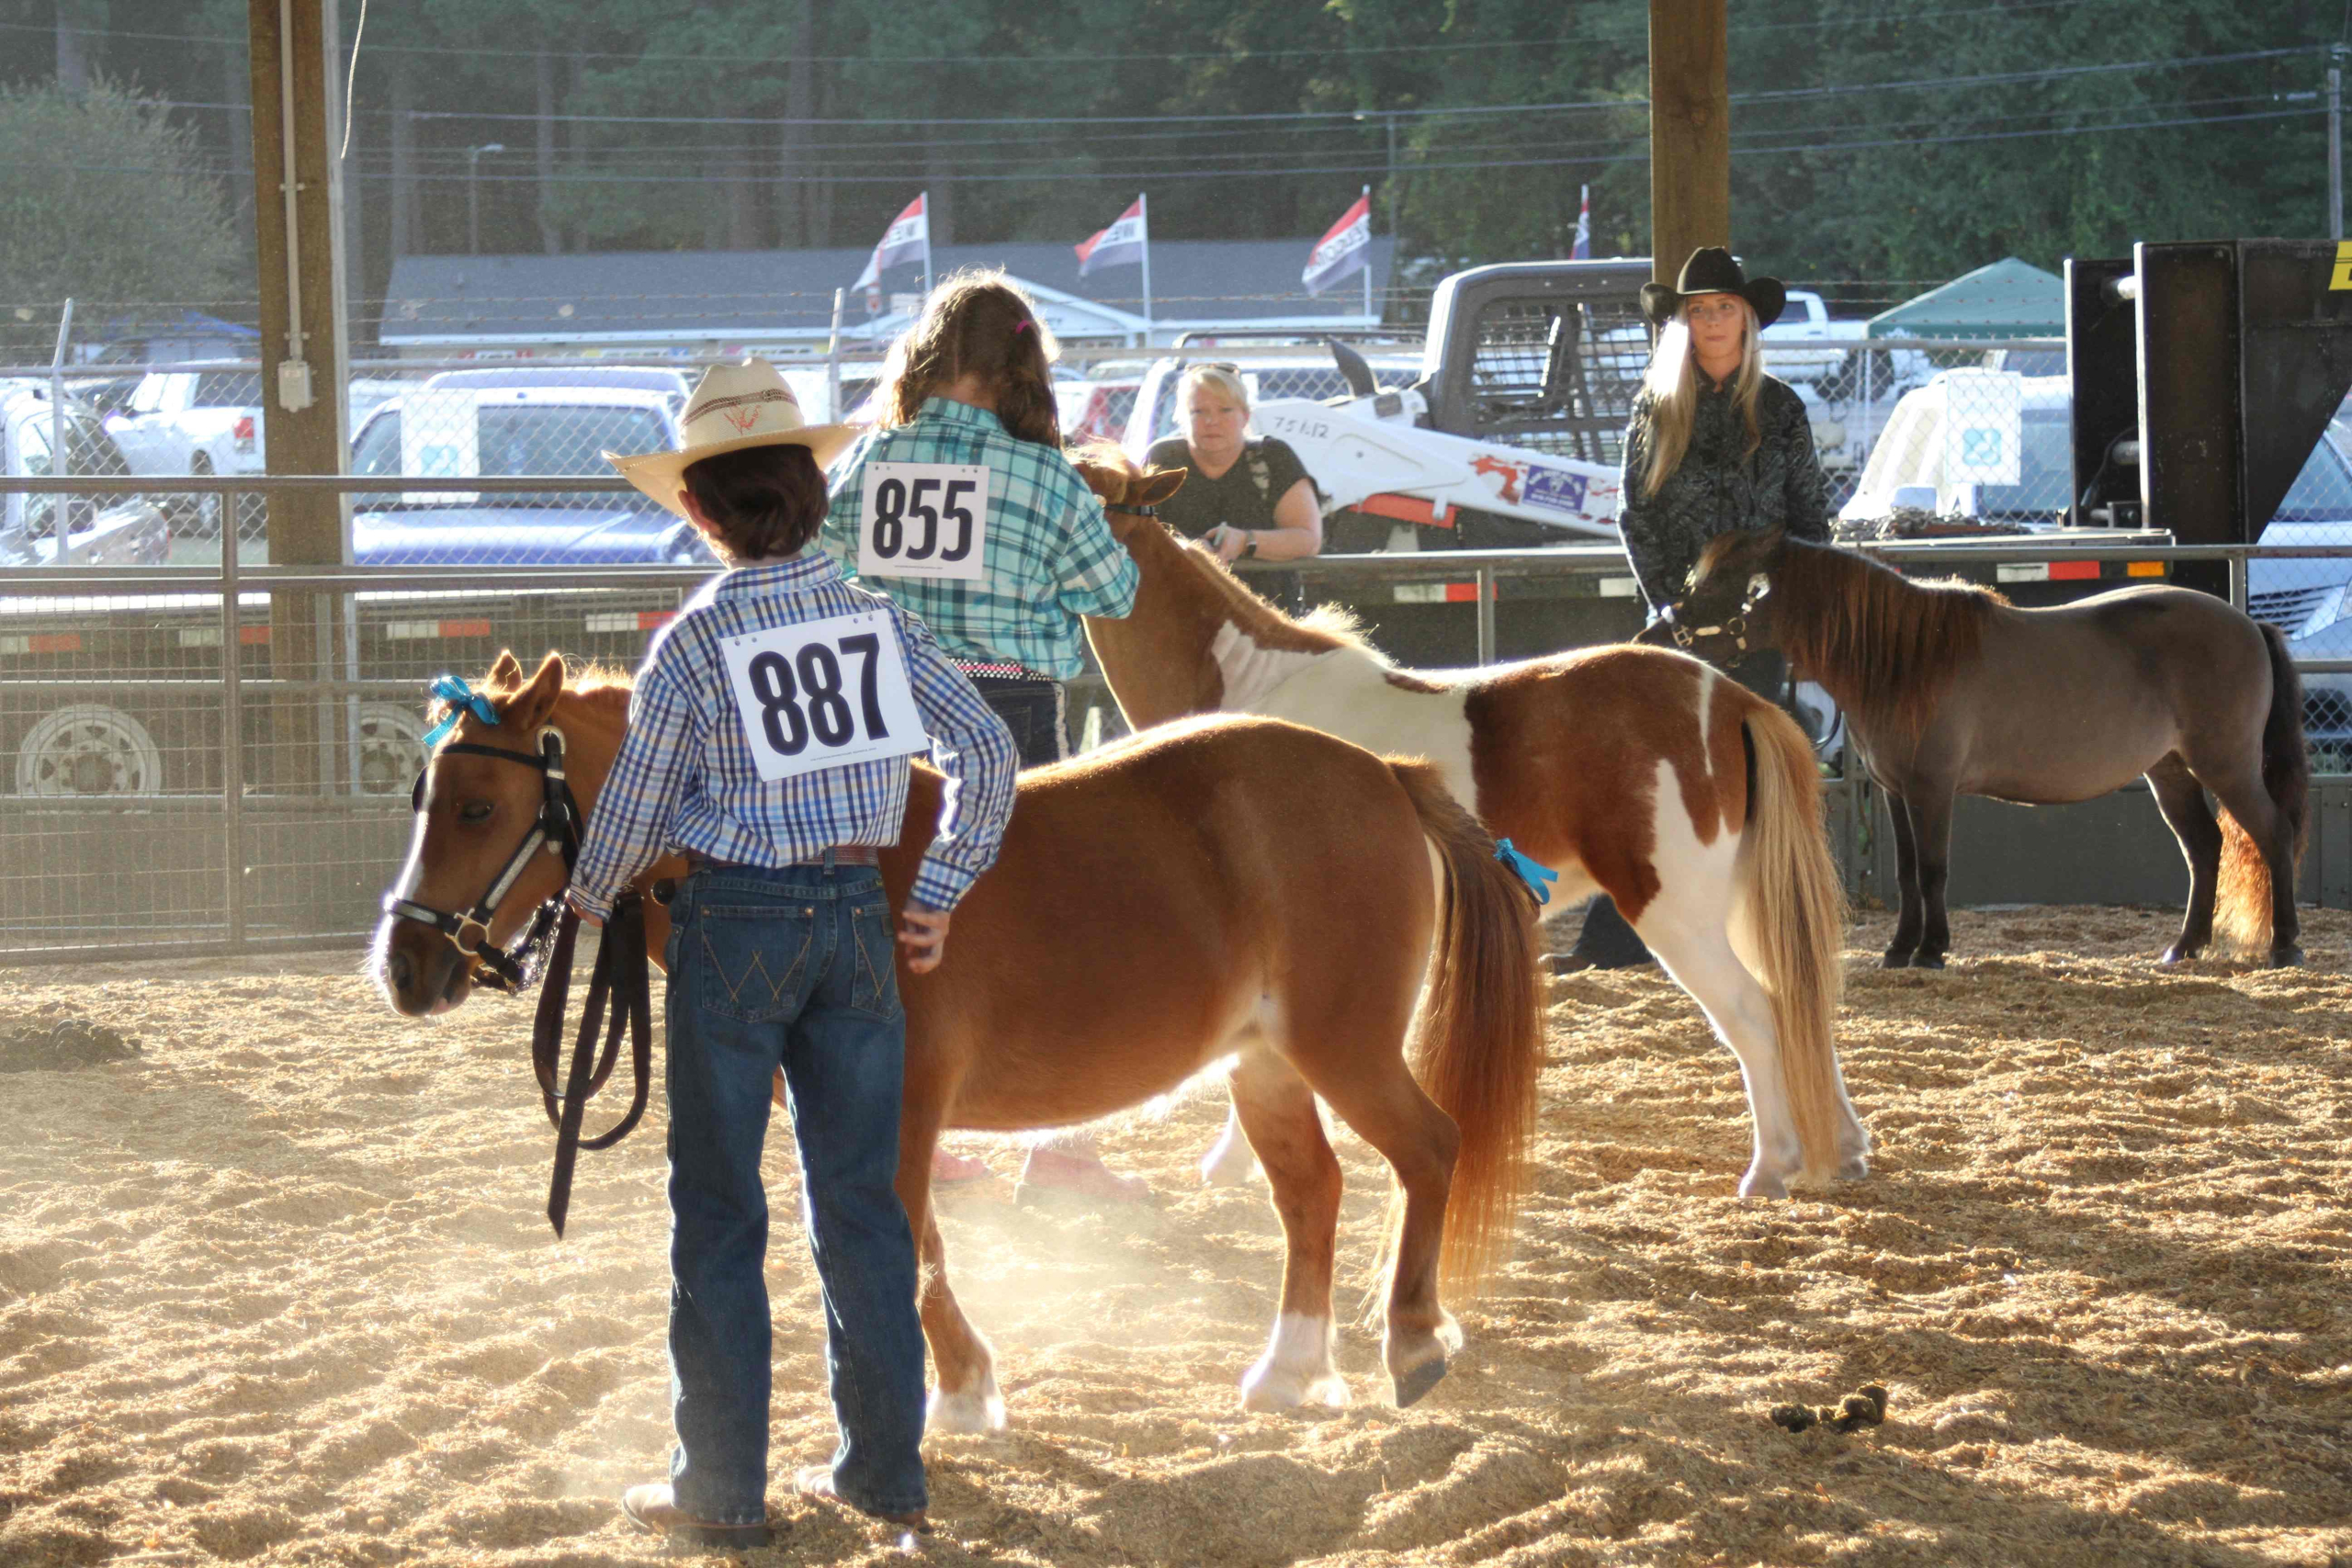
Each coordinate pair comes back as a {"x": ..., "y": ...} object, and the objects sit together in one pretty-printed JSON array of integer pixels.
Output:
[
  {"x": 1735, "y": 626},
  {"x": 557, "y": 829}
]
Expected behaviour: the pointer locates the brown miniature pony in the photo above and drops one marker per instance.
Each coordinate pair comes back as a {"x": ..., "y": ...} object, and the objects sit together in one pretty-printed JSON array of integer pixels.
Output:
[
  {"x": 1642, "y": 773},
  {"x": 1950, "y": 690},
  {"x": 1157, "y": 905}
]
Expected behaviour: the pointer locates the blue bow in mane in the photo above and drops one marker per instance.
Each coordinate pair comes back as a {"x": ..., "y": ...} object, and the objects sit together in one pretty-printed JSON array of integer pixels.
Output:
[
  {"x": 1538, "y": 876},
  {"x": 461, "y": 699}
]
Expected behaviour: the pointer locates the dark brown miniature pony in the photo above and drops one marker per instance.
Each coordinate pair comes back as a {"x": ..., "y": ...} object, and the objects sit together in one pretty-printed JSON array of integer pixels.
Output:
[
  {"x": 1951, "y": 689},
  {"x": 1157, "y": 905}
]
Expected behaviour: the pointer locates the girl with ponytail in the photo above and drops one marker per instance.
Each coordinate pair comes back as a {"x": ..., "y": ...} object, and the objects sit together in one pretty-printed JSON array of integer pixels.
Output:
[{"x": 970, "y": 385}]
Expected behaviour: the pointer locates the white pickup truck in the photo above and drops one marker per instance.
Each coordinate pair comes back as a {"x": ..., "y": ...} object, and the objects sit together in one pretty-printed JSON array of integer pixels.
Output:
[
  {"x": 193, "y": 422},
  {"x": 1806, "y": 322}
]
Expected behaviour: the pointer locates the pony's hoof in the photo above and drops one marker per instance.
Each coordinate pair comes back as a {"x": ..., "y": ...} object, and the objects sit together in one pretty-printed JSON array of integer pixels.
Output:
[
  {"x": 2287, "y": 957},
  {"x": 1411, "y": 1385},
  {"x": 1276, "y": 1389},
  {"x": 2176, "y": 954},
  {"x": 1854, "y": 1167},
  {"x": 1896, "y": 958},
  {"x": 980, "y": 1409},
  {"x": 1763, "y": 1184},
  {"x": 1926, "y": 961}
]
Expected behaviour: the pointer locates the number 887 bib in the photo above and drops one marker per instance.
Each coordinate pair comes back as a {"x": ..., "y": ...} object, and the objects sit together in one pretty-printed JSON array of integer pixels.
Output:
[
  {"x": 925, "y": 520},
  {"x": 824, "y": 695}
]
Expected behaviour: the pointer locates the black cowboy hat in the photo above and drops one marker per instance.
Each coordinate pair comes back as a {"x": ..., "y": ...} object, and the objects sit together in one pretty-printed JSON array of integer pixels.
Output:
[{"x": 1711, "y": 270}]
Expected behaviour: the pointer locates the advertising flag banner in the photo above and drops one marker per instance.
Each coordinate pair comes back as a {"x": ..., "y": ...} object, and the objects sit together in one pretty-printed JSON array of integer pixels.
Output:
[
  {"x": 1582, "y": 249},
  {"x": 1122, "y": 244},
  {"x": 1340, "y": 252},
  {"x": 907, "y": 240}
]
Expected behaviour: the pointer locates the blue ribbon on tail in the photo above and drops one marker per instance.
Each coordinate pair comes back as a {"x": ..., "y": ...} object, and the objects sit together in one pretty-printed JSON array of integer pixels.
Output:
[
  {"x": 462, "y": 699},
  {"x": 1538, "y": 876}
]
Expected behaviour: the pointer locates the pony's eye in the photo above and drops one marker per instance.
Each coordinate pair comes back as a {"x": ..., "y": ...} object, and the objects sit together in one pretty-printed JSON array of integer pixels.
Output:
[{"x": 474, "y": 810}]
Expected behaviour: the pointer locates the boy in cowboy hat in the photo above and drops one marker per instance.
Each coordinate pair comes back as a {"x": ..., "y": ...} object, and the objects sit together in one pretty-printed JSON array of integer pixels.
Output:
[{"x": 769, "y": 736}]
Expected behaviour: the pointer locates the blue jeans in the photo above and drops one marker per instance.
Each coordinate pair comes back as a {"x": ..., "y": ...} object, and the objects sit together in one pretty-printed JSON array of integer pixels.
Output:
[{"x": 788, "y": 968}]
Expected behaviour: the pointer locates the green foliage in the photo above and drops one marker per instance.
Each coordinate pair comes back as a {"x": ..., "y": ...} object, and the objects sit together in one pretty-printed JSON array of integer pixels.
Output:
[
  {"x": 103, "y": 199},
  {"x": 1889, "y": 140}
]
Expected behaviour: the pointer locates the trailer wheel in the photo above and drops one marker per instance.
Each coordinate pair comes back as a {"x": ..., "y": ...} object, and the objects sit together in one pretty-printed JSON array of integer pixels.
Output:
[
  {"x": 390, "y": 748},
  {"x": 88, "y": 749}
]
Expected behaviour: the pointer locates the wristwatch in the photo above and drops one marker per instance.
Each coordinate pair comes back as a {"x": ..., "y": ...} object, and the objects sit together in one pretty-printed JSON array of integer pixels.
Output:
[{"x": 1249, "y": 544}]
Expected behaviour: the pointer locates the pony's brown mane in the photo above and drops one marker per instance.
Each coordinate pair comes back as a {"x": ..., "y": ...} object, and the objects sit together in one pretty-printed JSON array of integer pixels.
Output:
[
  {"x": 1884, "y": 644},
  {"x": 1112, "y": 475}
]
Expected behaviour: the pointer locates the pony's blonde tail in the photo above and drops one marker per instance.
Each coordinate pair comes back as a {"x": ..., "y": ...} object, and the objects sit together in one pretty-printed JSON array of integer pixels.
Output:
[
  {"x": 2241, "y": 912},
  {"x": 1480, "y": 1045},
  {"x": 1795, "y": 913}
]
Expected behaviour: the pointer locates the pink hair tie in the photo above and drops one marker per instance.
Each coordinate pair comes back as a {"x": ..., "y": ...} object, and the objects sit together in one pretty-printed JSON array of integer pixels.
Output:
[{"x": 1023, "y": 327}]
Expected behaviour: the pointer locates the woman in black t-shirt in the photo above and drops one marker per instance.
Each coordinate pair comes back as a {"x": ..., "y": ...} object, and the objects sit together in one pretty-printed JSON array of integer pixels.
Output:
[{"x": 1247, "y": 499}]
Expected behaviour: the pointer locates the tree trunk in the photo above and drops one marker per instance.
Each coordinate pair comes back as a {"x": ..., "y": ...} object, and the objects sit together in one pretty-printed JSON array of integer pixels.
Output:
[
  {"x": 236, "y": 89},
  {"x": 72, "y": 49},
  {"x": 550, "y": 235},
  {"x": 794, "y": 198},
  {"x": 401, "y": 242}
]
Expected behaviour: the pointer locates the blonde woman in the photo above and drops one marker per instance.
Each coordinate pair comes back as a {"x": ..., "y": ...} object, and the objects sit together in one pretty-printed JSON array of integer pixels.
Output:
[
  {"x": 1246, "y": 499},
  {"x": 1715, "y": 445}
]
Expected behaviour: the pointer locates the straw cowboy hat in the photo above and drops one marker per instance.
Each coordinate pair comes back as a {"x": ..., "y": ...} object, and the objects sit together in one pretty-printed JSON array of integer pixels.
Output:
[
  {"x": 736, "y": 407},
  {"x": 1711, "y": 270}
]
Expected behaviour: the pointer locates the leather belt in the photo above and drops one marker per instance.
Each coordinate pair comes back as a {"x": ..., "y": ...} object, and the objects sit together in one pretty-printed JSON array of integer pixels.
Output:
[{"x": 839, "y": 854}]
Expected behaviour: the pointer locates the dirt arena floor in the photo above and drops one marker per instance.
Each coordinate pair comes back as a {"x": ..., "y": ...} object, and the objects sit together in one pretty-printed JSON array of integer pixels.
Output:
[{"x": 277, "y": 1290}]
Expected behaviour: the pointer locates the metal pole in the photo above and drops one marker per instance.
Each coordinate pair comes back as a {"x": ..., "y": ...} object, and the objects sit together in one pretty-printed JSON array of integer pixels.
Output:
[
  {"x": 1369, "y": 319},
  {"x": 61, "y": 515},
  {"x": 473, "y": 201},
  {"x": 2237, "y": 580},
  {"x": 232, "y": 750},
  {"x": 1143, "y": 211},
  {"x": 2335, "y": 142},
  {"x": 1486, "y": 615},
  {"x": 834, "y": 362}
]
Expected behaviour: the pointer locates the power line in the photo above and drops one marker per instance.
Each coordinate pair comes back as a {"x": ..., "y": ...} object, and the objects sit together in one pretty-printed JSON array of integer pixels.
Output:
[{"x": 1635, "y": 31}]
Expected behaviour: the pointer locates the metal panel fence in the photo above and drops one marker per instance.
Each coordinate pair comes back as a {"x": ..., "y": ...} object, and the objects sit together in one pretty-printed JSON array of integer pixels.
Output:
[{"x": 219, "y": 756}]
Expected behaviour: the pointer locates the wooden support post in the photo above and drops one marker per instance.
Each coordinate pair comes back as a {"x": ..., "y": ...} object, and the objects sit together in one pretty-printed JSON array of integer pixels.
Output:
[
  {"x": 299, "y": 257},
  {"x": 1689, "y": 131}
]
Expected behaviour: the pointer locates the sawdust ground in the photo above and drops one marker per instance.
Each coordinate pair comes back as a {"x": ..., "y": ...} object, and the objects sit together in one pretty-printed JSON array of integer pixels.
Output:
[{"x": 276, "y": 1293}]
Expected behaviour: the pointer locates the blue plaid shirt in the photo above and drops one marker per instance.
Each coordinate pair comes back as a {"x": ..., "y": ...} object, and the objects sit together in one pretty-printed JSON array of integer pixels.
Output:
[
  {"x": 1051, "y": 558},
  {"x": 685, "y": 776}
]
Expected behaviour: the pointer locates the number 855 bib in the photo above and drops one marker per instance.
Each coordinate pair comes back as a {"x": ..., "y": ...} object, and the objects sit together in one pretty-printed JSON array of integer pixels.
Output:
[
  {"x": 824, "y": 695},
  {"x": 923, "y": 520}
]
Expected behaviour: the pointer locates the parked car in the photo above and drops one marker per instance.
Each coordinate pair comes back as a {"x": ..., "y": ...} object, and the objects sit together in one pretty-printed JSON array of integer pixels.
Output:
[
  {"x": 194, "y": 421},
  {"x": 1789, "y": 342},
  {"x": 2308, "y": 599},
  {"x": 1097, "y": 411},
  {"x": 462, "y": 430},
  {"x": 126, "y": 531}
]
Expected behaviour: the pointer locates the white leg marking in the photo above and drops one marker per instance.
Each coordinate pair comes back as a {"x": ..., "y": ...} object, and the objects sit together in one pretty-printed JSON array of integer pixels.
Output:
[
  {"x": 1687, "y": 925},
  {"x": 976, "y": 1409},
  {"x": 1297, "y": 1368}
]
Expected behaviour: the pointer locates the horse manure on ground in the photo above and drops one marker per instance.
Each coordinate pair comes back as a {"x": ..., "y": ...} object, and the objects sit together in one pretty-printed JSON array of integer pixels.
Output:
[
  {"x": 62, "y": 1045},
  {"x": 1864, "y": 1407}
]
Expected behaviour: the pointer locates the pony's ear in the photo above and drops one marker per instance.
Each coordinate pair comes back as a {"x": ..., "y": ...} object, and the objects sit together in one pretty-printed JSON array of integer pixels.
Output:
[
  {"x": 1158, "y": 484},
  {"x": 505, "y": 674},
  {"x": 535, "y": 700}
]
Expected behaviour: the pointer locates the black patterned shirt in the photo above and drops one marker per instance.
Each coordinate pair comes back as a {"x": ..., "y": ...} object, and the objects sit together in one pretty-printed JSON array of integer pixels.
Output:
[{"x": 1718, "y": 488}]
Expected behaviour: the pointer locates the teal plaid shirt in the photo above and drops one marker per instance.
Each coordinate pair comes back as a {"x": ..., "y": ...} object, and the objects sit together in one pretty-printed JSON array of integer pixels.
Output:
[{"x": 1051, "y": 558}]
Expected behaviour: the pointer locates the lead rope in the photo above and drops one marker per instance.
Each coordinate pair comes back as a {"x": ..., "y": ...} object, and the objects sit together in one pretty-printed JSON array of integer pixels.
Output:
[{"x": 619, "y": 978}]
